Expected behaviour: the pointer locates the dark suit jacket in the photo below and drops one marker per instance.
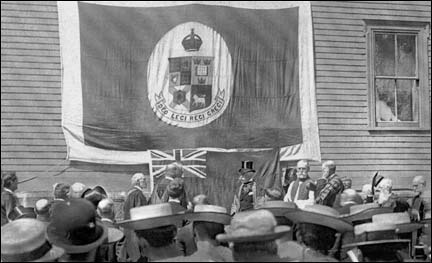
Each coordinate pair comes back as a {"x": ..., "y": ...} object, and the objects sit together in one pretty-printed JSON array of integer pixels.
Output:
[{"x": 185, "y": 240}]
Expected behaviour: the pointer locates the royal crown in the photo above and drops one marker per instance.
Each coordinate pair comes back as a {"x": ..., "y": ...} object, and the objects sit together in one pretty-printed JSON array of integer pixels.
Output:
[
  {"x": 201, "y": 80},
  {"x": 192, "y": 42}
]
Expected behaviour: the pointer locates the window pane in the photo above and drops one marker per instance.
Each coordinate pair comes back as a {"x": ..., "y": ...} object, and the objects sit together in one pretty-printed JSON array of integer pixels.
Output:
[
  {"x": 385, "y": 100},
  {"x": 385, "y": 54},
  {"x": 407, "y": 100},
  {"x": 406, "y": 55}
]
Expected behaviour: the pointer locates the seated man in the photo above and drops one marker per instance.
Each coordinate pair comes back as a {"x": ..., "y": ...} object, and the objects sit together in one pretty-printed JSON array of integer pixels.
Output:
[
  {"x": 417, "y": 204},
  {"x": 302, "y": 190},
  {"x": 386, "y": 198}
]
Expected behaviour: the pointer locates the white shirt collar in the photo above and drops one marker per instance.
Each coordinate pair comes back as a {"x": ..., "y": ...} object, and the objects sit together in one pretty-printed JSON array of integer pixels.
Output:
[{"x": 175, "y": 200}]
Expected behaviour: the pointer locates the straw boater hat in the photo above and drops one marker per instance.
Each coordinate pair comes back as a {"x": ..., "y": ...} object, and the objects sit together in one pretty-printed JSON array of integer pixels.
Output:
[
  {"x": 74, "y": 227},
  {"x": 401, "y": 220},
  {"x": 319, "y": 215},
  {"x": 209, "y": 213},
  {"x": 253, "y": 226},
  {"x": 375, "y": 233},
  {"x": 278, "y": 208},
  {"x": 365, "y": 212},
  {"x": 24, "y": 240},
  {"x": 152, "y": 216}
]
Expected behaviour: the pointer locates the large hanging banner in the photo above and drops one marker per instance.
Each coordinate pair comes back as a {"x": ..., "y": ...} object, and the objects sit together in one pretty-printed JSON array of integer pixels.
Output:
[{"x": 141, "y": 79}]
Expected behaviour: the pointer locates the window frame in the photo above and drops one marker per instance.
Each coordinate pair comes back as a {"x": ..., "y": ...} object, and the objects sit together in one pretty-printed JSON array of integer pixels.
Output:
[{"x": 421, "y": 30}]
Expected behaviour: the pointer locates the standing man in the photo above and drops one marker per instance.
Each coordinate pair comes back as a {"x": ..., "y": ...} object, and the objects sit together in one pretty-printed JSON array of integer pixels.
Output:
[
  {"x": 332, "y": 187},
  {"x": 246, "y": 195},
  {"x": 8, "y": 198},
  {"x": 159, "y": 194},
  {"x": 417, "y": 203},
  {"x": 135, "y": 198},
  {"x": 301, "y": 191}
]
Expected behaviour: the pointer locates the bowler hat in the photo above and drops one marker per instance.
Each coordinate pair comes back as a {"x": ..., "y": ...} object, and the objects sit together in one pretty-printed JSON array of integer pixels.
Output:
[
  {"x": 152, "y": 216},
  {"x": 209, "y": 213},
  {"x": 253, "y": 226},
  {"x": 246, "y": 166},
  {"x": 24, "y": 240},
  {"x": 74, "y": 227},
  {"x": 319, "y": 215}
]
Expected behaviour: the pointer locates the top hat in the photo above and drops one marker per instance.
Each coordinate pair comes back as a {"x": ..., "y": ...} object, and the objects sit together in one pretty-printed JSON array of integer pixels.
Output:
[
  {"x": 209, "y": 213},
  {"x": 375, "y": 233},
  {"x": 24, "y": 240},
  {"x": 246, "y": 166},
  {"x": 253, "y": 226},
  {"x": 152, "y": 216},
  {"x": 74, "y": 227},
  {"x": 401, "y": 220},
  {"x": 278, "y": 208},
  {"x": 319, "y": 215}
]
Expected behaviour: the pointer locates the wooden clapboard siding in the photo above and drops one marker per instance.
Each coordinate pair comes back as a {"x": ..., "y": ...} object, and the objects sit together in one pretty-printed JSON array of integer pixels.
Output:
[
  {"x": 342, "y": 94},
  {"x": 32, "y": 142}
]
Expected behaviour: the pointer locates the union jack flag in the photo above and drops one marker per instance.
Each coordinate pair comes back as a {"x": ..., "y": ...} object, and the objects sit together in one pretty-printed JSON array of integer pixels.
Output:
[{"x": 193, "y": 161}]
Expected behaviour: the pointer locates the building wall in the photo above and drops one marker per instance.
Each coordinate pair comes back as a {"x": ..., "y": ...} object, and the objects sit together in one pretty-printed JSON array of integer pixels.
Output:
[{"x": 32, "y": 142}]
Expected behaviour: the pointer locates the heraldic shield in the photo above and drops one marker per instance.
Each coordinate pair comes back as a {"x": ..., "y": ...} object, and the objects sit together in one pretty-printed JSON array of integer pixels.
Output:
[{"x": 190, "y": 82}]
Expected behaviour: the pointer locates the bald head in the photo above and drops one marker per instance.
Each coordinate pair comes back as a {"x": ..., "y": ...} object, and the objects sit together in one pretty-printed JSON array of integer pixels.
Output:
[
  {"x": 419, "y": 184},
  {"x": 328, "y": 168}
]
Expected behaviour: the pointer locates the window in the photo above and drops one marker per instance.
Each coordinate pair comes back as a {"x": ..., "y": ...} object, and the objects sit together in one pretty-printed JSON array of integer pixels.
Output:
[{"x": 398, "y": 75}]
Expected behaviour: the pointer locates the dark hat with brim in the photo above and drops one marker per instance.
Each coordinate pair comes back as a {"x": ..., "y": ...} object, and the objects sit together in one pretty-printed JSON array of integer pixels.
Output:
[
  {"x": 246, "y": 166},
  {"x": 209, "y": 213},
  {"x": 62, "y": 239},
  {"x": 319, "y": 215},
  {"x": 152, "y": 216},
  {"x": 278, "y": 208}
]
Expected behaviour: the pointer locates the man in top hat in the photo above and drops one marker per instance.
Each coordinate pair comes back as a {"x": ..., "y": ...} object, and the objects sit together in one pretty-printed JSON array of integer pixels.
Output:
[
  {"x": 245, "y": 198},
  {"x": 24, "y": 240},
  {"x": 333, "y": 185},
  {"x": 185, "y": 235},
  {"x": 74, "y": 228},
  {"x": 155, "y": 227},
  {"x": 134, "y": 198},
  {"x": 208, "y": 221},
  {"x": 8, "y": 198},
  {"x": 159, "y": 194},
  {"x": 302, "y": 190},
  {"x": 376, "y": 242},
  {"x": 318, "y": 230},
  {"x": 252, "y": 236}
]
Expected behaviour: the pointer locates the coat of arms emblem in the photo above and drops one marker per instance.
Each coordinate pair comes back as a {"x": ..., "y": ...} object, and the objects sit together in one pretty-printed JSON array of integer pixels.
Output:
[{"x": 196, "y": 86}]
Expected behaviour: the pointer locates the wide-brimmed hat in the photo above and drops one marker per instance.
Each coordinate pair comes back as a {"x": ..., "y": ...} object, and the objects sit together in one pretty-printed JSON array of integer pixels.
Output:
[
  {"x": 365, "y": 212},
  {"x": 209, "y": 213},
  {"x": 152, "y": 216},
  {"x": 114, "y": 235},
  {"x": 74, "y": 227},
  {"x": 319, "y": 215},
  {"x": 253, "y": 226},
  {"x": 401, "y": 220},
  {"x": 278, "y": 208},
  {"x": 375, "y": 233},
  {"x": 25, "y": 240},
  {"x": 246, "y": 166}
]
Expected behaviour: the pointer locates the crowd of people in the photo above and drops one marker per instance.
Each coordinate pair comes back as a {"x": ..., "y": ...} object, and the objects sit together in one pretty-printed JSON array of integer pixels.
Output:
[{"x": 303, "y": 220}]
